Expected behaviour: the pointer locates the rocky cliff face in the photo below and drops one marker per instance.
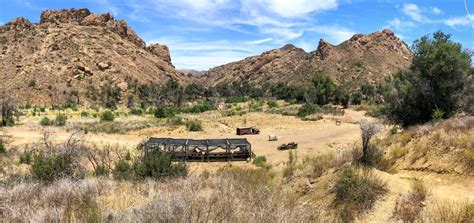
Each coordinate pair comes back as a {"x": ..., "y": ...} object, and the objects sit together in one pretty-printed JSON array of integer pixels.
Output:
[
  {"x": 75, "y": 52},
  {"x": 361, "y": 59}
]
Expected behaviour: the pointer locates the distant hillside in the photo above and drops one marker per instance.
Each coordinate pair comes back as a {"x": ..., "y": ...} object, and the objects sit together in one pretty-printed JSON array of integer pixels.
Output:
[
  {"x": 361, "y": 59},
  {"x": 74, "y": 55},
  {"x": 195, "y": 73}
]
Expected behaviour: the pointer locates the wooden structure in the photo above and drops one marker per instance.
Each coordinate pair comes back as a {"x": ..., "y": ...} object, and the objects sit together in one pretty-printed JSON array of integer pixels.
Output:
[
  {"x": 248, "y": 131},
  {"x": 205, "y": 150}
]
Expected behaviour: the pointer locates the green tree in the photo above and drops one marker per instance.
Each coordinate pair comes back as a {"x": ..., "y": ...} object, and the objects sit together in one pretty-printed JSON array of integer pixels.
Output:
[
  {"x": 322, "y": 91},
  {"x": 434, "y": 81}
]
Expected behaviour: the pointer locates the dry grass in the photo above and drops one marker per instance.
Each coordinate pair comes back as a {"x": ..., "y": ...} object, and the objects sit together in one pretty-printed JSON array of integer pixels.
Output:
[
  {"x": 409, "y": 206},
  {"x": 317, "y": 165},
  {"x": 450, "y": 212},
  {"x": 230, "y": 195}
]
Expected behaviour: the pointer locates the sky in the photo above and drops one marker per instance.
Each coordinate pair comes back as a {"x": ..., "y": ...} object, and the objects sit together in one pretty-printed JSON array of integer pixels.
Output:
[{"x": 202, "y": 34}]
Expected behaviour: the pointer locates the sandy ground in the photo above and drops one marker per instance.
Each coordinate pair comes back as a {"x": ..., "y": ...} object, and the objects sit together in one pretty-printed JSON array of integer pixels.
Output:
[{"x": 313, "y": 137}]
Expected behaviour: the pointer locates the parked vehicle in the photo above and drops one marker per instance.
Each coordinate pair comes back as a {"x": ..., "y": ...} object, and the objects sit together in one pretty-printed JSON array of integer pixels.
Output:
[
  {"x": 290, "y": 145},
  {"x": 248, "y": 131}
]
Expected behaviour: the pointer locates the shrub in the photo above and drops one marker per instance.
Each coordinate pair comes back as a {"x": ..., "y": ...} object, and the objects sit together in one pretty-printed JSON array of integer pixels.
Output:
[
  {"x": 3, "y": 150},
  {"x": 107, "y": 116},
  {"x": 46, "y": 121},
  {"x": 122, "y": 170},
  {"x": 398, "y": 152},
  {"x": 260, "y": 161},
  {"x": 408, "y": 207},
  {"x": 48, "y": 167},
  {"x": 236, "y": 99},
  {"x": 194, "y": 125},
  {"x": 137, "y": 111},
  {"x": 177, "y": 120},
  {"x": 158, "y": 166},
  {"x": 84, "y": 114},
  {"x": 60, "y": 120},
  {"x": 199, "y": 108},
  {"x": 356, "y": 191},
  {"x": 307, "y": 109},
  {"x": 434, "y": 82},
  {"x": 165, "y": 112},
  {"x": 26, "y": 157},
  {"x": 272, "y": 104},
  {"x": 450, "y": 212},
  {"x": 290, "y": 167}
]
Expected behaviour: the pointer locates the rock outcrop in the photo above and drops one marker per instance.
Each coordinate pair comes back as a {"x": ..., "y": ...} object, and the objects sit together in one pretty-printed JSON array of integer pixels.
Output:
[
  {"x": 75, "y": 52},
  {"x": 361, "y": 59}
]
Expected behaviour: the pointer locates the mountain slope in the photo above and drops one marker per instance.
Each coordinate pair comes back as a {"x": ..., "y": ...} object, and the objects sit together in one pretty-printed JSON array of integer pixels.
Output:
[
  {"x": 73, "y": 53},
  {"x": 361, "y": 59}
]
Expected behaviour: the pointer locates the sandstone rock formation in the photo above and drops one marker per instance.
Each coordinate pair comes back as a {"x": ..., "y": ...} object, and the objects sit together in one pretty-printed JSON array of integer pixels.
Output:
[
  {"x": 361, "y": 59},
  {"x": 74, "y": 52}
]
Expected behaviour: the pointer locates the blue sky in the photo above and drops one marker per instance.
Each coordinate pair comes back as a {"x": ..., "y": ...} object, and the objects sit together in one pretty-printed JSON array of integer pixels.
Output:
[{"x": 205, "y": 33}]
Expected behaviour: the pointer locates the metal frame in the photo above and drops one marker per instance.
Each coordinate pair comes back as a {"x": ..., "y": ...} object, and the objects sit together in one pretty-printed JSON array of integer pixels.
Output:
[{"x": 200, "y": 149}]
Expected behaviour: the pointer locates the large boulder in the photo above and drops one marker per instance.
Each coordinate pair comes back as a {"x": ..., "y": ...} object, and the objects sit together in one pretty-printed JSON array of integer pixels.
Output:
[{"x": 160, "y": 51}]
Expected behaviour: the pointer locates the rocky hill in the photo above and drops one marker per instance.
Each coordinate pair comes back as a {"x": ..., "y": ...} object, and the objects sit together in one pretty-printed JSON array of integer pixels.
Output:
[
  {"x": 361, "y": 59},
  {"x": 75, "y": 53}
]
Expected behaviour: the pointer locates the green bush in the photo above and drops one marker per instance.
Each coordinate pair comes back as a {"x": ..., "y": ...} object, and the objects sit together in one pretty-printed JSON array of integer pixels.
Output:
[
  {"x": 435, "y": 81},
  {"x": 158, "y": 166},
  {"x": 26, "y": 157},
  {"x": 199, "y": 108},
  {"x": 194, "y": 125},
  {"x": 308, "y": 109},
  {"x": 122, "y": 170},
  {"x": 48, "y": 167},
  {"x": 177, "y": 120},
  {"x": 260, "y": 161},
  {"x": 84, "y": 114},
  {"x": 356, "y": 191},
  {"x": 236, "y": 99},
  {"x": 46, "y": 121},
  {"x": 107, "y": 116},
  {"x": 137, "y": 111},
  {"x": 60, "y": 120},
  {"x": 3, "y": 150},
  {"x": 165, "y": 112},
  {"x": 101, "y": 170},
  {"x": 272, "y": 104}
]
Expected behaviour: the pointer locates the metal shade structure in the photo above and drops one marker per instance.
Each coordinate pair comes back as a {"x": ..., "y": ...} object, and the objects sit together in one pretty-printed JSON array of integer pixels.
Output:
[{"x": 200, "y": 149}]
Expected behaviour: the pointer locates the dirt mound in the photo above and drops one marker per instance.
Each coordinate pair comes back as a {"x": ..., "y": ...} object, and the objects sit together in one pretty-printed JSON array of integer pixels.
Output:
[
  {"x": 361, "y": 59},
  {"x": 444, "y": 147},
  {"x": 73, "y": 53}
]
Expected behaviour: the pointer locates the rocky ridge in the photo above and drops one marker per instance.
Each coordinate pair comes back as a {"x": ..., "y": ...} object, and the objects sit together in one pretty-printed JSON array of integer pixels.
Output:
[
  {"x": 361, "y": 59},
  {"x": 73, "y": 53}
]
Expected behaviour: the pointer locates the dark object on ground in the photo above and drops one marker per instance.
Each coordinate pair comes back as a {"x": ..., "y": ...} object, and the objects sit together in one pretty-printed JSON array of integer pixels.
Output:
[
  {"x": 200, "y": 150},
  {"x": 290, "y": 145},
  {"x": 248, "y": 131}
]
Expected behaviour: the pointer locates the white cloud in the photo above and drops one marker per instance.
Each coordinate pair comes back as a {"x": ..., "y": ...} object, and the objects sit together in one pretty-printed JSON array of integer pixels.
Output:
[
  {"x": 399, "y": 24},
  {"x": 460, "y": 21},
  {"x": 298, "y": 8},
  {"x": 414, "y": 12},
  {"x": 436, "y": 10}
]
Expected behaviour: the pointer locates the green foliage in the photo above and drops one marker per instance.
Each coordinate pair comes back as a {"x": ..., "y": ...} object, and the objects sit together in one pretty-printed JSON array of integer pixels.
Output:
[
  {"x": 260, "y": 161},
  {"x": 84, "y": 114},
  {"x": 322, "y": 91},
  {"x": 107, "y": 116},
  {"x": 356, "y": 191},
  {"x": 122, "y": 170},
  {"x": 26, "y": 157},
  {"x": 48, "y": 167},
  {"x": 308, "y": 109},
  {"x": 435, "y": 81},
  {"x": 356, "y": 98},
  {"x": 272, "y": 104},
  {"x": 60, "y": 120},
  {"x": 194, "y": 125},
  {"x": 236, "y": 99},
  {"x": 437, "y": 115},
  {"x": 193, "y": 90},
  {"x": 137, "y": 111},
  {"x": 165, "y": 112},
  {"x": 177, "y": 120},
  {"x": 158, "y": 166},
  {"x": 45, "y": 121},
  {"x": 3, "y": 149},
  {"x": 199, "y": 108},
  {"x": 32, "y": 83},
  {"x": 101, "y": 170}
]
